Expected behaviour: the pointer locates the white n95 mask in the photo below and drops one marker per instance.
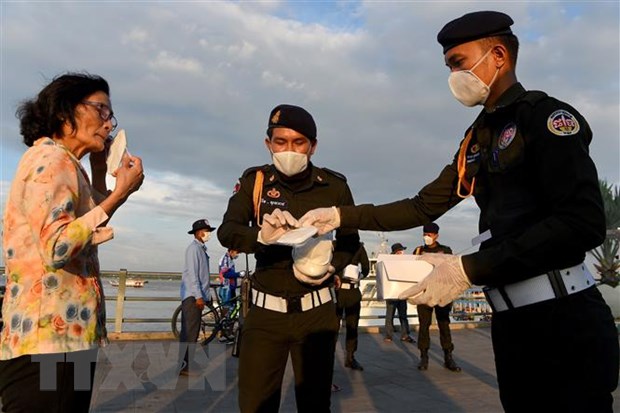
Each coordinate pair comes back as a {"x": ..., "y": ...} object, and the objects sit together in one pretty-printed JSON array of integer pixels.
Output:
[
  {"x": 428, "y": 240},
  {"x": 290, "y": 163},
  {"x": 467, "y": 88},
  {"x": 312, "y": 259}
]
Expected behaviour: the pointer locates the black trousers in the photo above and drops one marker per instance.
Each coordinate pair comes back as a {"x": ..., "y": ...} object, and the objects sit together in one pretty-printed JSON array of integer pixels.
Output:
[
  {"x": 25, "y": 389},
  {"x": 390, "y": 308},
  {"x": 557, "y": 356},
  {"x": 349, "y": 304},
  {"x": 190, "y": 327},
  {"x": 268, "y": 338},
  {"x": 425, "y": 317}
]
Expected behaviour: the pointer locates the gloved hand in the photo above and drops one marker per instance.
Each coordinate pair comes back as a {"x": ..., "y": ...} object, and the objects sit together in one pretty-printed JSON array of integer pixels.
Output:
[
  {"x": 275, "y": 225},
  {"x": 324, "y": 219},
  {"x": 311, "y": 279},
  {"x": 443, "y": 285},
  {"x": 311, "y": 260}
]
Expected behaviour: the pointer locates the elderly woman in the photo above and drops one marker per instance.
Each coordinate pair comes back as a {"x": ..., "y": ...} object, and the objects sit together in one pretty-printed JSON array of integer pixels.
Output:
[{"x": 54, "y": 309}]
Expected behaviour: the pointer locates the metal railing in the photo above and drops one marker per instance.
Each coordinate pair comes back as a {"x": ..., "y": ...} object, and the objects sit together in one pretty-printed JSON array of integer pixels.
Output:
[{"x": 369, "y": 301}]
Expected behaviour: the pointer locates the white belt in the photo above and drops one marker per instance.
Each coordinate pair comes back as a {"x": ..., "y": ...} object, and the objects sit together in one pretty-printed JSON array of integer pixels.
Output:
[
  {"x": 293, "y": 304},
  {"x": 347, "y": 286},
  {"x": 554, "y": 284}
]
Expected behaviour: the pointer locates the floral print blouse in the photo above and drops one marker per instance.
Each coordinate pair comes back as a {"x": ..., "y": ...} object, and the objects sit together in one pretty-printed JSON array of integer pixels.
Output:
[{"x": 54, "y": 298}]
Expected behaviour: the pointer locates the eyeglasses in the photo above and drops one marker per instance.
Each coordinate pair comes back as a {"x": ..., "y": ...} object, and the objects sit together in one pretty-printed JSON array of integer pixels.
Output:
[{"x": 105, "y": 113}]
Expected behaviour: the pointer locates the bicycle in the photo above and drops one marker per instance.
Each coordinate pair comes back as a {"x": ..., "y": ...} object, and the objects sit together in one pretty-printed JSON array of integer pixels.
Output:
[{"x": 221, "y": 318}]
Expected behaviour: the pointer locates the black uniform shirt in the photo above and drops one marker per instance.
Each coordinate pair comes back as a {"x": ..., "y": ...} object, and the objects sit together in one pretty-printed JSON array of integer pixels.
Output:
[
  {"x": 436, "y": 249},
  {"x": 536, "y": 187},
  {"x": 313, "y": 188}
]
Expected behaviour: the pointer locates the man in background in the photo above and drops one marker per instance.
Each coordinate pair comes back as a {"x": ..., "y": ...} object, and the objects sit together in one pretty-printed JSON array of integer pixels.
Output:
[
  {"x": 228, "y": 275},
  {"x": 349, "y": 303},
  {"x": 391, "y": 306},
  {"x": 194, "y": 288},
  {"x": 442, "y": 313}
]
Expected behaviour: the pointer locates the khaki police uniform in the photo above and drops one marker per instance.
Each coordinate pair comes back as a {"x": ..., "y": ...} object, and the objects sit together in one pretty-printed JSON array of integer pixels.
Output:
[
  {"x": 286, "y": 315},
  {"x": 538, "y": 193}
]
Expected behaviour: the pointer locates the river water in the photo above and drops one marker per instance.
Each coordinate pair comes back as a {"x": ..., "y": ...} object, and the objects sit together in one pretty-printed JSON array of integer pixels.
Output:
[{"x": 144, "y": 309}]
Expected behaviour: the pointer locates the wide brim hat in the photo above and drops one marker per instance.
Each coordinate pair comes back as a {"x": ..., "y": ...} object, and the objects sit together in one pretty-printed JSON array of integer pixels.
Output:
[{"x": 200, "y": 224}]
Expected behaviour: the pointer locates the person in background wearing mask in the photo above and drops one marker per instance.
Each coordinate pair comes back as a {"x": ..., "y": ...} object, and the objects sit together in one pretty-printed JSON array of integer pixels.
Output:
[
  {"x": 293, "y": 311},
  {"x": 195, "y": 292},
  {"x": 442, "y": 313},
  {"x": 392, "y": 306},
  {"x": 526, "y": 161},
  {"x": 228, "y": 275}
]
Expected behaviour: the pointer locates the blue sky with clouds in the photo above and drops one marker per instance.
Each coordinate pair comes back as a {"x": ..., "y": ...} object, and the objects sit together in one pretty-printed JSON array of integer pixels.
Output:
[{"x": 193, "y": 84}]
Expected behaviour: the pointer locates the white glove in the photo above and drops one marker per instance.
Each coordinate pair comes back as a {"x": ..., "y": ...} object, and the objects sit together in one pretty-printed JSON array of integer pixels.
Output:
[
  {"x": 443, "y": 285},
  {"x": 324, "y": 219},
  {"x": 275, "y": 225},
  {"x": 311, "y": 260},
  {"x": 313, "y": 280}
]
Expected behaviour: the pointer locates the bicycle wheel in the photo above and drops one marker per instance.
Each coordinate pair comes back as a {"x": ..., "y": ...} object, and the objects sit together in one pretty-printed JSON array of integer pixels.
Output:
[
  {"x": 176, "y": 322},
  {"x": 230, "y": 323},
  {"x": 209, "y": 320},
  {"x": 210, "y": 324}
]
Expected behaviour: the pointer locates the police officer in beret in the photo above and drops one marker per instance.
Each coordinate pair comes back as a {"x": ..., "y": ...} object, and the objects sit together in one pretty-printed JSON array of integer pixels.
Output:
[
  {"x": 430, "y": 233},
  {"x": 525, "y": 160},
  {"x": 293, "y": 308}
]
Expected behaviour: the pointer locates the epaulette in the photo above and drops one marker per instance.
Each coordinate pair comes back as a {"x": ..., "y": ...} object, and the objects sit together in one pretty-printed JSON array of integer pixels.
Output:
[
  {"x": 253, "y": 169},
  {"x": 533, "y": 97},
  {"x": 336, "y": 174}
]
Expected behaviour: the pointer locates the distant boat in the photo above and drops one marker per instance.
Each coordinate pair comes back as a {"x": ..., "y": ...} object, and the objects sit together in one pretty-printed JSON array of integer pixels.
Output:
[{"x": 130, "y": 283}]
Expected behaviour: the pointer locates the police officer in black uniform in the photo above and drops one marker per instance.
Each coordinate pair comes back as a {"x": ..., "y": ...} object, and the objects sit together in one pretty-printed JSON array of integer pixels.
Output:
[
  {"x": 525, "y": 160},
  {"x": 291, "y": 313},
  {"x": 442, "y": 312},
  {"x": 349, "y": 304}
]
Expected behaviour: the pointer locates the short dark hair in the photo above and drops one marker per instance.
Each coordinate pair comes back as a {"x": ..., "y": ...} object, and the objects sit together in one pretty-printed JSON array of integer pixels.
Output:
[
  {"x": 55, "y": 104},
  {"x": 510, "y": 42}
]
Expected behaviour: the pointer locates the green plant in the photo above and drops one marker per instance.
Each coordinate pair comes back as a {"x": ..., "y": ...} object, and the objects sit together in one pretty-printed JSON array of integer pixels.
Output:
[{"x": 607, "y": 255}]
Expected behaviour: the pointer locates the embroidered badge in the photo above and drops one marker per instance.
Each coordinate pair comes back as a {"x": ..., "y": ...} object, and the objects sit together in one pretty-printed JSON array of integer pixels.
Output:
[
  {"x": 562, "y": 123},
  {"x": 507, "y": 135},
  {"x": 273, "y": 193},
  {"x": 276, "y": 117},
  {"x": 474, "y": 153}
]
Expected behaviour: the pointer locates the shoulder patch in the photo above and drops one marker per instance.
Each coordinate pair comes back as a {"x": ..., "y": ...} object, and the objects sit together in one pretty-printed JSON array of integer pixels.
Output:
[
  {"x": 562, "y": 123},
  {"x": 336, "y": 174}
]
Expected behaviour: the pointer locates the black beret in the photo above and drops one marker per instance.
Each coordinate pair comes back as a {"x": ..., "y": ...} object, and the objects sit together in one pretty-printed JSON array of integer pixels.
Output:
[
  {"x": 293, "y": 117},
  {"x": 398, "y": 247},
  {"x": 431, "y": 228},
  {"x": 474, "y": 26}
]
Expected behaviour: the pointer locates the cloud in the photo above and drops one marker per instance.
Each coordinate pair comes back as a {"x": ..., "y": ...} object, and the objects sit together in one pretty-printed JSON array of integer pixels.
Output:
[{"x": 193, "y": 84}]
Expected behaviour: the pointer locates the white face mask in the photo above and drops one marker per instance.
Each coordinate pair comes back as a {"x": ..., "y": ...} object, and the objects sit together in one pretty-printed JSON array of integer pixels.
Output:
[
  {"x": 290, "y": 163},
  {"x": 428, "y": 240},
  {"x": 467, "y": 88},
  {"x": 205, "y": 237}
]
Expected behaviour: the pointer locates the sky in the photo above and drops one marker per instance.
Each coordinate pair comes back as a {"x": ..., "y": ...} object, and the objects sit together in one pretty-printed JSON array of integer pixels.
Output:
[{"x": 193, "y": 82}]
